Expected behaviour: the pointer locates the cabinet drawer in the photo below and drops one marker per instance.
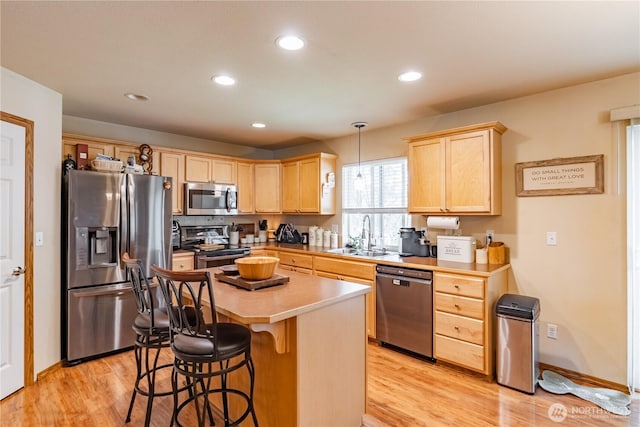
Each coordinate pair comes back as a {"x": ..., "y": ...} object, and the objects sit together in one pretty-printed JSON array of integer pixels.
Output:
[
  {"x": 459, "y": 327},
  {"x": 357, "y": 269},
  {"x": 297, "y": 269},
  {"x": 459, "y": 285},
  {"x": 459, "y": 352},
  {"x": 463, "y": 306},
  {"x": 264, "y": 252},
  {"x": 296, "y": 260},
  {"x": 183, "y": 262}
]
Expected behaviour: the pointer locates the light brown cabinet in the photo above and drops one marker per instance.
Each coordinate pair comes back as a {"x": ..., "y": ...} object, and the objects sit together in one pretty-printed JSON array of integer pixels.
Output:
[
  {"x": 95, "y": 146},
  {"x": 351, "y": 271},
  {"x": 246, "y": 188},
  {"x": 463, "y": 319},
  {"x": 264, "y": 252},
  {"x": 183, "y": 261},
  {"x": 267, "y": 187},
  {"x": 457, "y": 171},
  {"x": 172, "y": 164},
  {"x": 305, "y": 187},
  {"x": 117, "y": 149},
  {"x": 296, "y": 262},
  {"x": 210, "y": 169}
]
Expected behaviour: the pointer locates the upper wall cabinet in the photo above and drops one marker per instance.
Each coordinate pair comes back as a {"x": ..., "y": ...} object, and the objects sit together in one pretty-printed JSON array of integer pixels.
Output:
[
  {"x": 305, "y": 187},
  {"x": 210, "y": 169},
  {"x": 246, "y": 188},
  {"x": 457, "y": 171},
  {"x": 118, "y": 149},
  {"x": 95, "y": 146},
  {"x": 266, "y": 177},
  {"x": 172, "y": 164}
]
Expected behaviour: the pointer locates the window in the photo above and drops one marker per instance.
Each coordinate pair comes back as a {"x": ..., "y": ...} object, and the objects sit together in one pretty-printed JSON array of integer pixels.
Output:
[{"x": 383, "y": 198}]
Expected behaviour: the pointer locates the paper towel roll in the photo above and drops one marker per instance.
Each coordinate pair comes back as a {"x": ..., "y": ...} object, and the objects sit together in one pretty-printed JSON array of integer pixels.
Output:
[{"x": 446, "y": 222}]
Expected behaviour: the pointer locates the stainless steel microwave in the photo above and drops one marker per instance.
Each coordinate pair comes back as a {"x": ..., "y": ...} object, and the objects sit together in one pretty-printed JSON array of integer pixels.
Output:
[{"x": 210, "y": 199}]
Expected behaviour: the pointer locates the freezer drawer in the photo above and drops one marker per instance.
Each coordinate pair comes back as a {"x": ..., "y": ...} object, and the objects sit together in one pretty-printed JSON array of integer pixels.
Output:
[{"x": 99, "y": 320}]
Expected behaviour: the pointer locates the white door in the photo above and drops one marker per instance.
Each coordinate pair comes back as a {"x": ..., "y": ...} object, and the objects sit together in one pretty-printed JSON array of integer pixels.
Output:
[{"x": 12, "y": 156}]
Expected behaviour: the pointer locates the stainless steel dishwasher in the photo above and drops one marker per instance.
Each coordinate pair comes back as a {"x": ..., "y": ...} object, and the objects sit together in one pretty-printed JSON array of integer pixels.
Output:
[{"x": 404, "y": 309}]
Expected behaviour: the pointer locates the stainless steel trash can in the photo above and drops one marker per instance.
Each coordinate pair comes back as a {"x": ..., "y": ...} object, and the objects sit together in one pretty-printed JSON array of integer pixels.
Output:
[{"x": 517, "y": 343}]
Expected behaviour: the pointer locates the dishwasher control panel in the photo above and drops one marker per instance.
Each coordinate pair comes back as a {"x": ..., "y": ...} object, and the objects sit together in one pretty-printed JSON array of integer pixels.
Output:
[{"x": 405, "y": 272}]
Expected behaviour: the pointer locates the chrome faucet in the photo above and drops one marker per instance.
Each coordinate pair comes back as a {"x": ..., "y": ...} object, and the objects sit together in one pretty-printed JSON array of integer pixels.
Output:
[{"x": 367, "y": 218}]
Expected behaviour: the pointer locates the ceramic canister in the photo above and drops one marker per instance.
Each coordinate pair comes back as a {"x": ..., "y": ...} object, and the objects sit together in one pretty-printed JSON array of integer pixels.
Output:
[
  {"x": 326, "y": 242},
  {"x": 334, "y": 240},
  {"x": 319, "y": 235}
]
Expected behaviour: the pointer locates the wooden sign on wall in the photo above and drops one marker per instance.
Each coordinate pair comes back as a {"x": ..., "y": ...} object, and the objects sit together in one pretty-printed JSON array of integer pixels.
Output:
[{"x": 573, "y": 175}]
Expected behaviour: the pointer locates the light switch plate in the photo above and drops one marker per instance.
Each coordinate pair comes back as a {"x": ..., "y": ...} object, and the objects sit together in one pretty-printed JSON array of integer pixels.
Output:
[{"x": 39, "y": 238}]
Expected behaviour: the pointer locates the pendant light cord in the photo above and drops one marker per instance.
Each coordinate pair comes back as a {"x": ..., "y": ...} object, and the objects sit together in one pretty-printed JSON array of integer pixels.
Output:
[{"x": 359, "y": 126}]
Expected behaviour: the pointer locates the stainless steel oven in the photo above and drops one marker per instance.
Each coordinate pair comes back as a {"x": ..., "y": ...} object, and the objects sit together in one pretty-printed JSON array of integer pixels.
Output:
[
  {"x": 404, "y": 309},
  {"x": 218, "y": 257},
  {"x": 211, "y": 245}
]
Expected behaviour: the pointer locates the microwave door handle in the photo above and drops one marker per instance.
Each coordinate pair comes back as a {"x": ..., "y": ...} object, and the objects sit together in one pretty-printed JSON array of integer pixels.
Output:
[{"x": 226, "y": 200}]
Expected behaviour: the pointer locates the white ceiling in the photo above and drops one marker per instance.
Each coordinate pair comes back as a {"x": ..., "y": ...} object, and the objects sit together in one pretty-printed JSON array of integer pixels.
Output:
[{"x": 470, "y": 54}]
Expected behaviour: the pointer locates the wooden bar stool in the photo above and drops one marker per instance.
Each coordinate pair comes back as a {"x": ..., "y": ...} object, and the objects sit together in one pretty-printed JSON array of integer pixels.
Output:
[
  {"x": 205, "y": 349},
  {"x": 151, "y": 326}
]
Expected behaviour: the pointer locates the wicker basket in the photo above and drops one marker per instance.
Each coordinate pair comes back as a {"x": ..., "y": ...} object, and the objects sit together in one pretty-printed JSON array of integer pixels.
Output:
[{"x": 106, "y": 165}]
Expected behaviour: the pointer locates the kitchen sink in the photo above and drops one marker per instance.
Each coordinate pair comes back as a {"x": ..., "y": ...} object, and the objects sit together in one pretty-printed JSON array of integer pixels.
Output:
[
  {"x": 361, "y": 252},
  {"x": 343, "y": 251}
]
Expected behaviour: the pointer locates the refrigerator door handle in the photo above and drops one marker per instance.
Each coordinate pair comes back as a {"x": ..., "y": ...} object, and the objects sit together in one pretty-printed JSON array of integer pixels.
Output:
[{"x": 124, "y": 221}]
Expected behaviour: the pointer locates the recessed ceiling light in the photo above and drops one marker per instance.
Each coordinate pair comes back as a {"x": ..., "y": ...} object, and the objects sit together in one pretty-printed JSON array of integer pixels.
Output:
[
  {"x": 290, "y": 42},
  {"x": 136, "y": 97},
  {"x": 410, "y": 76},
  {"x": 224, "y": 80},
  {"x": 258, "y": 125}
]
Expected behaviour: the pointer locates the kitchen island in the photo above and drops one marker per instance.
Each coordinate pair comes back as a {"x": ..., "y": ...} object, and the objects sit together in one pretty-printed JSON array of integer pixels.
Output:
[{"x": 308, "y": 346}]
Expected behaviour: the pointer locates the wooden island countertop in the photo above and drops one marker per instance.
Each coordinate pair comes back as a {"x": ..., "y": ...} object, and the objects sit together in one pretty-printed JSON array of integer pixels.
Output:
[
  {"x": 308, "y": 343},
  {"x": 303, "y": 293}
]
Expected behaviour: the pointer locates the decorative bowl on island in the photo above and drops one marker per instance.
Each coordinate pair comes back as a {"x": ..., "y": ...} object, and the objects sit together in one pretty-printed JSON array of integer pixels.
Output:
[{"x": 257, "y": 267}]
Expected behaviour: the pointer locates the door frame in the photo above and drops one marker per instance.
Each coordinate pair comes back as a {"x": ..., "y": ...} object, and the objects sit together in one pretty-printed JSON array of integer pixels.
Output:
[{"x": 28, "y": 241}]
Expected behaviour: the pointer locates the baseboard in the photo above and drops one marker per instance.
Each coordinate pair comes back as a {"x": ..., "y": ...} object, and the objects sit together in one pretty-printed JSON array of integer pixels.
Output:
[
  {"x": 583, "y": 379},
  {"x": 49, "y": 370}
]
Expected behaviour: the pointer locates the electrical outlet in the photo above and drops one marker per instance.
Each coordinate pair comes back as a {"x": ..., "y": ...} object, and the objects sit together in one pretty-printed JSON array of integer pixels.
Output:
[
  {"x": 489, "y": 237},
  {"x": 552, "y": 238},
  {"x": 552, "y": 331}
]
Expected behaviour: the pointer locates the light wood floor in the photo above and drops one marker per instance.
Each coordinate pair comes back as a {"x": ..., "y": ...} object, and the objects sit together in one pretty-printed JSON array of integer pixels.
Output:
[{"x": 403, "y": 391}]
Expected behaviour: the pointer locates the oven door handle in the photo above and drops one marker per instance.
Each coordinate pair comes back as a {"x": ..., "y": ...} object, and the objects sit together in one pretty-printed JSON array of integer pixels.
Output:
[{"x": 220, "y": 257}]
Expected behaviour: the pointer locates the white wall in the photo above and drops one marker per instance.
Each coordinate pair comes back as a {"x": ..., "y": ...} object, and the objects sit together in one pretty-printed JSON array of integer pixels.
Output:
[
  {"x": 581, "y": 281},
  {"x": 30, "y": 100}
]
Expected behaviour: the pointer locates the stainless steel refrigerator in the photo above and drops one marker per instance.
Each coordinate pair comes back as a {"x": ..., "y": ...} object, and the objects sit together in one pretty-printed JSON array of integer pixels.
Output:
[{"x": 105, "y": 215}]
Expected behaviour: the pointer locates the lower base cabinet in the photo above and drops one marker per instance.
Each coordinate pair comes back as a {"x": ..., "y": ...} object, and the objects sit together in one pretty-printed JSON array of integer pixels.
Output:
[
  {"x": 299, "y": 263},
  {"x": 363, "y": 273},
  {"x": 463, "y": 319},
  {"x": 183, "y": 261}
]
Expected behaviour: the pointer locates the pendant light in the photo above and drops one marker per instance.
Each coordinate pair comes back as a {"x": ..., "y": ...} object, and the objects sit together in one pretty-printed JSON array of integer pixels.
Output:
[{"x": 359, "y": 182}]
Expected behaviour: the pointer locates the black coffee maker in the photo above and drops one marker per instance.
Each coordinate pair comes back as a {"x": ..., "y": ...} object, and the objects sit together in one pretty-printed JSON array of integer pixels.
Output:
[
  {"x": 286, "y": 233},
  {"x": 414, "y": 243}
]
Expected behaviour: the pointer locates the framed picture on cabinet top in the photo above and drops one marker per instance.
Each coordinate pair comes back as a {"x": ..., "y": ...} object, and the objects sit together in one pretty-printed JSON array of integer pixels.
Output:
[{"x": 563, "y": 176}]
